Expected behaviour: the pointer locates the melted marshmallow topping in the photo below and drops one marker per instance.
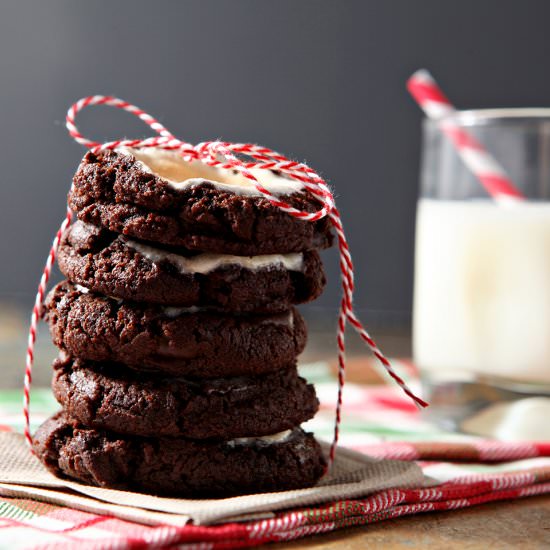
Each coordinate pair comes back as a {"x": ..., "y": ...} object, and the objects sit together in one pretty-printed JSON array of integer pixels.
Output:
[
  {"x": 172, "y": 311},
  {"x": 286, "y": 319},
  {"x": 205, "y": 263},
  {"x": 181, "y": 174},
  {"x": 82, "y": 289},
  {"x": 279, "y": 437}
]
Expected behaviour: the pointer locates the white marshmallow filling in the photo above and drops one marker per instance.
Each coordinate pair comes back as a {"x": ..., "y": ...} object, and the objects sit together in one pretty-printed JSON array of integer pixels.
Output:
[
  {"x": 207, "y": 262},
  {"x": 181, "y": 174},
  {"x": 279, "y": 437}
]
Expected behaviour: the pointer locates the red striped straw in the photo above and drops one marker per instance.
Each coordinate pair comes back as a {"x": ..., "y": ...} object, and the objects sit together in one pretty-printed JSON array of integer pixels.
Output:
[{"x": 482, "y": 164}]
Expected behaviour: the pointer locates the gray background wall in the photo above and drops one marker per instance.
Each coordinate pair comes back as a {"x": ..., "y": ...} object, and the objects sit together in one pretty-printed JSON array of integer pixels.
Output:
[{"x": 322, "y": 81}]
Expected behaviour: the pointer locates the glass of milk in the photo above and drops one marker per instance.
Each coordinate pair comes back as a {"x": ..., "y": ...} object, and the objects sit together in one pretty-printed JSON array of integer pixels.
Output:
[{"x": 481, "y": 315}]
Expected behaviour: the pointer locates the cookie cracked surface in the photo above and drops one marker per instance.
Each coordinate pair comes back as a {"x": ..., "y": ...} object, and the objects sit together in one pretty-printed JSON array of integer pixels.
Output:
[
  {"x": 109, "y": 264},
  {"x": 116, "y": 191},
  {"x": 196, "y": 344},
  {"x": 108, "y": 396}
]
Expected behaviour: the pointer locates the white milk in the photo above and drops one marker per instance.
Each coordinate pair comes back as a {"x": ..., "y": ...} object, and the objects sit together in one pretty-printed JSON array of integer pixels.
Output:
[{"x": 482, "y": 289}]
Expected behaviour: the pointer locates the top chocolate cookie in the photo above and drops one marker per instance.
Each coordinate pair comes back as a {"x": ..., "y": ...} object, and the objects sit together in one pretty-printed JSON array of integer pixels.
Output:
[{"x": 154, "y": 195}]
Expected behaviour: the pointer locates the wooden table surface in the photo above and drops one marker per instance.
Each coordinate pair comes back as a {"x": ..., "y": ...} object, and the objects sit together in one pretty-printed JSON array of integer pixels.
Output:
[{"x": 523, "y": 524}]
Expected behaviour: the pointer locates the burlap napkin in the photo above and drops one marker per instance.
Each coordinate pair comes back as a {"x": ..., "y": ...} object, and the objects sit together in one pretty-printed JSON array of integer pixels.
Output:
[{"x": 354, "y": 475}]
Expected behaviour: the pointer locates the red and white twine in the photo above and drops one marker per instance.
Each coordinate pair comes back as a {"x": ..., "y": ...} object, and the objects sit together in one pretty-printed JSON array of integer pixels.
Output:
[{"x": 230, "y": 156}]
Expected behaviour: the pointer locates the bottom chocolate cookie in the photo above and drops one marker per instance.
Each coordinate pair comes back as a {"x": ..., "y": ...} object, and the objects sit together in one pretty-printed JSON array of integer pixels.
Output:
[{"x": 179, "y": 467}]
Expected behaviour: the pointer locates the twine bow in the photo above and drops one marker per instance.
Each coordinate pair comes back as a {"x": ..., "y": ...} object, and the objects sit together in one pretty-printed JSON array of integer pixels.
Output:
[{"x": 242, "y": 157}]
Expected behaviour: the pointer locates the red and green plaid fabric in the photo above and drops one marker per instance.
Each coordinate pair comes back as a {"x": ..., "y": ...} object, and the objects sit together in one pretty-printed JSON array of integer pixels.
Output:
[{"x": 461, "y": 471}]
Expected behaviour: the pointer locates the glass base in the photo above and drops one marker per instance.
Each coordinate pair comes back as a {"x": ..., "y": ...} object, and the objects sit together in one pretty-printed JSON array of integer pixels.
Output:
[{"x": 490, "y": 407}]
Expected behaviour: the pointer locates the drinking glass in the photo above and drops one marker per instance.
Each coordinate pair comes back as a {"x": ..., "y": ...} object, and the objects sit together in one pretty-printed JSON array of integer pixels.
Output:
[{"x": 481, "y": 315}]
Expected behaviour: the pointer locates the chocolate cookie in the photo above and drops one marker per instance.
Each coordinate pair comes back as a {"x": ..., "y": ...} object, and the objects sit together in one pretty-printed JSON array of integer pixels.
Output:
[
  {"x": 116, "y": 266},
  {"x": 108, "y": 396},
  {"x": 177, "y": 466},
  {"x": 201, "y": 344},
  {"x": 154, "y": 195}
]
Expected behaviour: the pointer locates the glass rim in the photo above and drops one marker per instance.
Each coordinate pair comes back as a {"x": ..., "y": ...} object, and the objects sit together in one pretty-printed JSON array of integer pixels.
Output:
[{"x": 473, "y": 117}]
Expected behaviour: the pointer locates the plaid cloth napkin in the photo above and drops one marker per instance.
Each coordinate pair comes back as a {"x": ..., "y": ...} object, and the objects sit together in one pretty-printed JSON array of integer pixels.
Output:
[{"x": 459, "y": 471}]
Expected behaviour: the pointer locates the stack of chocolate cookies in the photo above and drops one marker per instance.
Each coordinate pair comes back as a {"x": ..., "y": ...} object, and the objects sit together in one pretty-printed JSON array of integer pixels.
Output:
[{"x": 177, "y": 331}]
